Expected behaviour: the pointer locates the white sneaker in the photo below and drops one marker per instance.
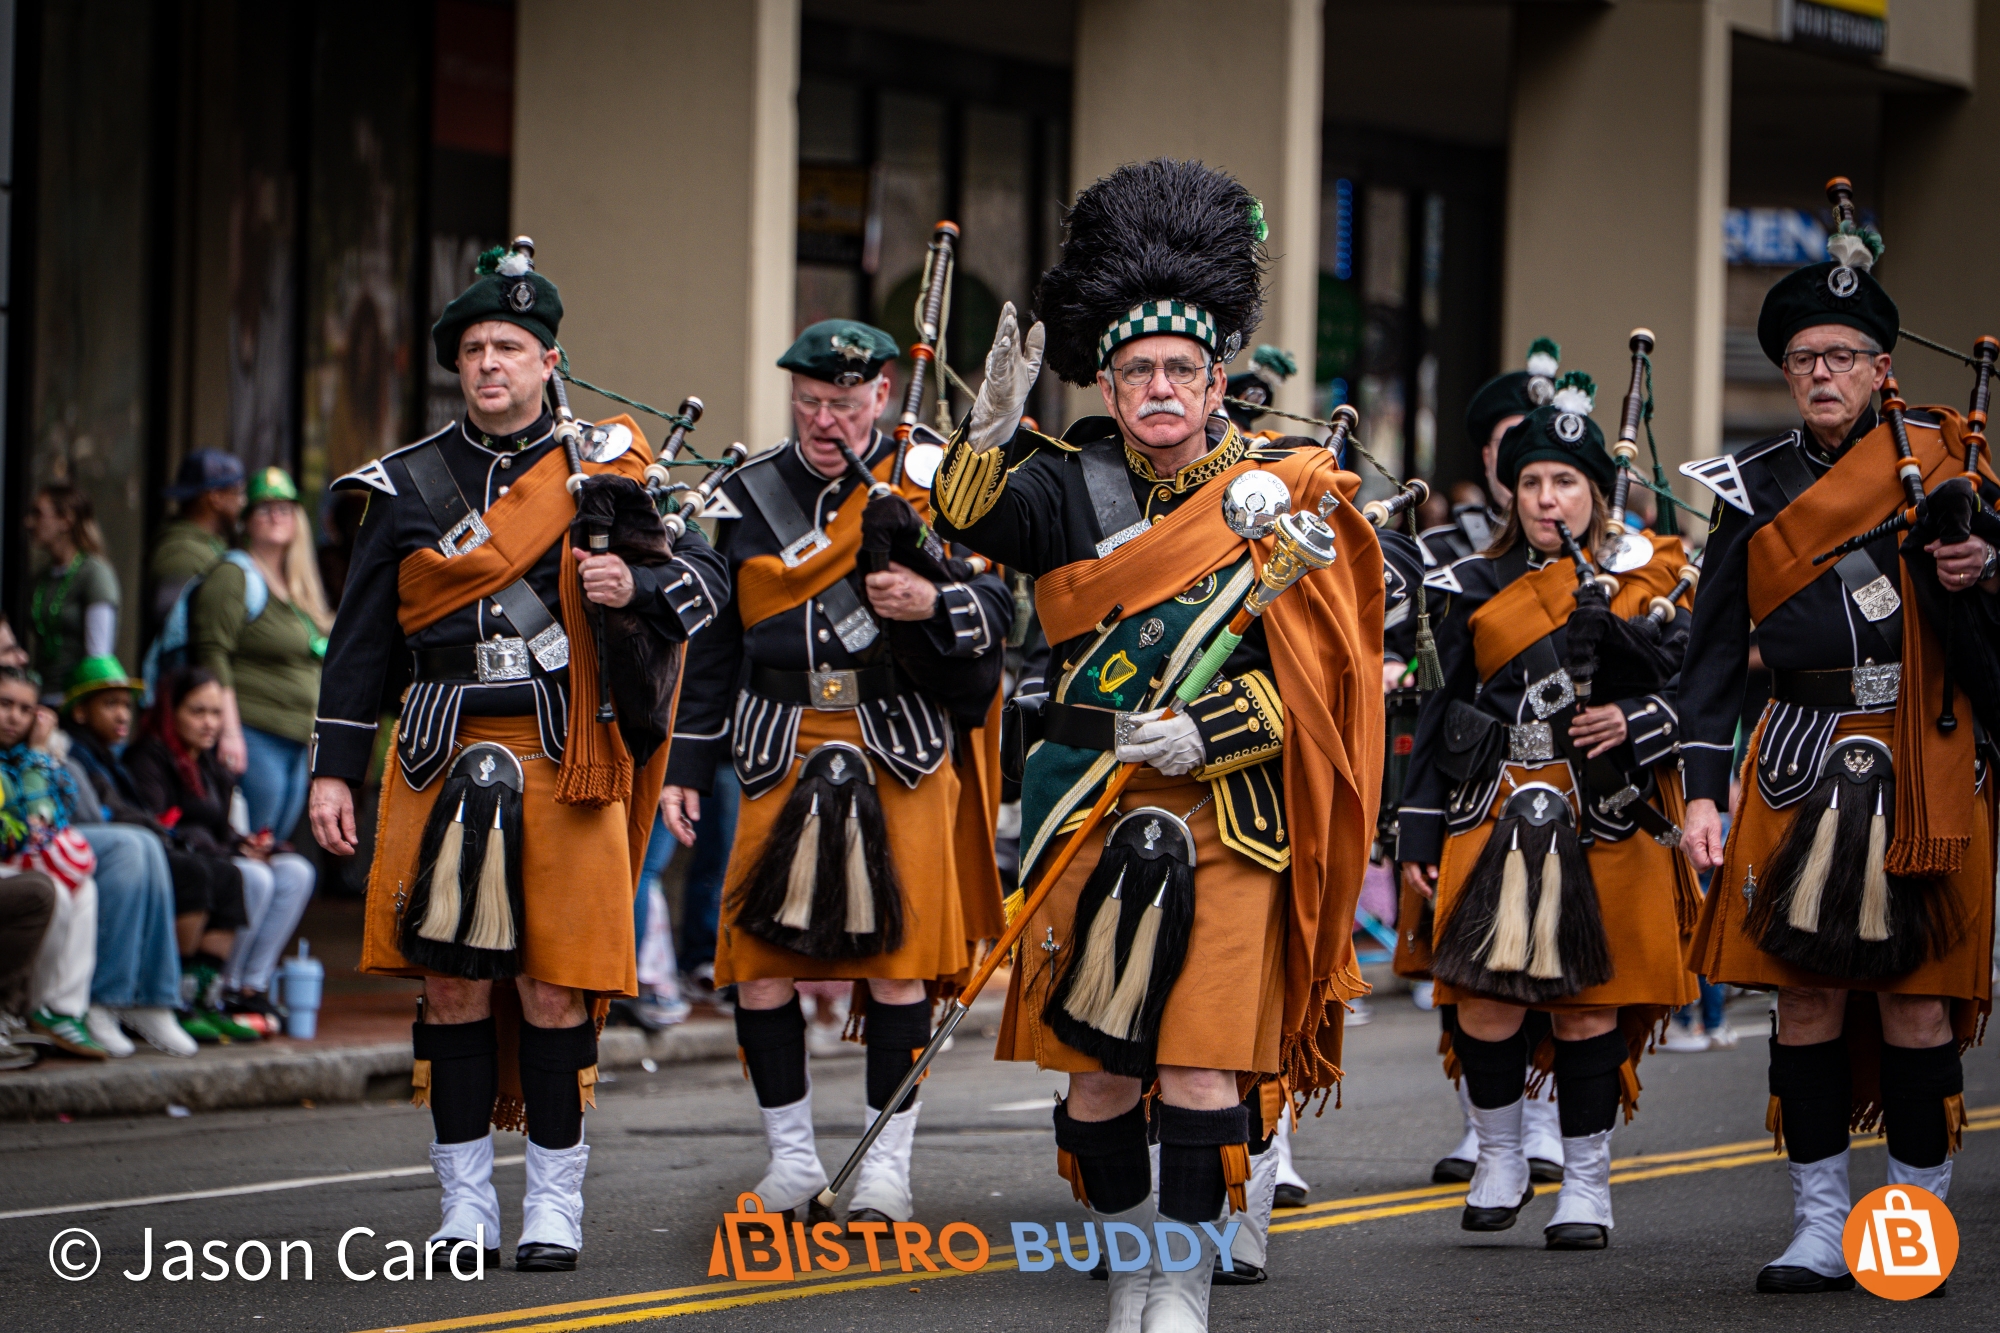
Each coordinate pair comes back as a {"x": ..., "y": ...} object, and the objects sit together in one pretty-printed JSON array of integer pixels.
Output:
[
  {"x": 103, "y": 1025},
  {"x": 1683, "y": 1039},
  {"x": 160, "y": 1029},
  {"x": 1722, "y": 1038},
  {"x": 470, "y": 1209},
  {"x": 1582, "y": 1218},
  {"x": 794, "y": 1175},
  {"x": 882, "y": 1183}
]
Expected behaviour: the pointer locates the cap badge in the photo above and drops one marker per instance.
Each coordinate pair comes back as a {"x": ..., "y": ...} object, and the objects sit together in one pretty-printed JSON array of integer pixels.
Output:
[
  {"x": 1568, "y": 427},
  {"x": 521, "y": 296},
  {"x": 1843, "y": 281}
]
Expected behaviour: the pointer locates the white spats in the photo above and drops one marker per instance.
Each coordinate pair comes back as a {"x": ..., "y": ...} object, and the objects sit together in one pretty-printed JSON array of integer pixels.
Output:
[
  {"x": 795, "y": 1174},
  {"x": 1252, "y": 1242},
  {"x": 1936, "y": 1179},
  {"x": 1501, "y": 1176},
  {"x": 552, "y": 1210},
  {"x": 1586, "y": 1189},
  {"x": 1820, "y": 1204},
  {"x": 465, "y": 1172},
  {"x": 883, "y": 1181},
  {"x": 1177, "y": 1301},
  {"x": 1541, "y": 1127},
  {"x": 1128, "y": 1289}
]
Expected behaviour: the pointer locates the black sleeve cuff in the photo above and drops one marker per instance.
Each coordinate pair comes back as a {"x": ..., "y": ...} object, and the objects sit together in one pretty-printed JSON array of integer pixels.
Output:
[
  {"x": 1419, "y": 836},
  {"x": 1706, "y": 771},
  {"x": 341, "y": 749},
  {"x": 1241, "y": 723},
  {"x": 1652, "y": 729},
  {"x": 691, "y": 760},
  {"x": 959, "y": 626}
]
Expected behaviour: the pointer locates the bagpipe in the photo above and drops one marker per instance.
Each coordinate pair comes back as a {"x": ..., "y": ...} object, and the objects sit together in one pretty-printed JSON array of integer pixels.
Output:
[{"x": 933, "y": 310}]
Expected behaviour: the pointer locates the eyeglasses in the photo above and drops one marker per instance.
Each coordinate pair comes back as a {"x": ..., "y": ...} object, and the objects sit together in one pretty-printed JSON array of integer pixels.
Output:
[
  {"x": 840, "y": 407},
  {"x": 1180, "y": 371},
  {"x": 1839, "y": 360}
]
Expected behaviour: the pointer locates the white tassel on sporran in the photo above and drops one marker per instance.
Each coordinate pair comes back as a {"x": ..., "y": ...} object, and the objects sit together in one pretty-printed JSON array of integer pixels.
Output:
[
  {"x": 1804, "y": 914},
  {"x": 860, "y": 892},
  {"x": 1097, "y": 970},
  {"x": 1875, "y": 889},
  {"x": 1507, "y": 950},
  {"x": 441, "y": 917},
  {"x": 1545, "y": 961},
  {"x": 796, "y": 914},
  {"x": 1122, "y": 1014},
  {"x": 492, "y": 916}
]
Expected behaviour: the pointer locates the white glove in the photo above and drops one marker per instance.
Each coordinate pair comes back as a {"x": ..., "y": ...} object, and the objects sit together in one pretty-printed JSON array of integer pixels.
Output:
[
  {"x": 1172, "y": 745},
  {"x": 1011, "y": 368}
]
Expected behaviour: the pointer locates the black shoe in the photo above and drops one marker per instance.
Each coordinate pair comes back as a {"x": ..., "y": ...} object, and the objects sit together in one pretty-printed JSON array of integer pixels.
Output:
[
  {"x": 1457, "y": 1171},
  {"x": 1101, "y": 1273},
  {"x": 1938, "y": 1290},
  {"x": 1577, "y": 1236},
  {"x": 867, "y": 1215},
  {"x": 1494, "y": 1219},
  {"x": 1244, "y": 1275},
  {"x": 1288, "y": 1196},
  {"x": 1787, "y": 1280},
  {"x": 535, "y": 1257},
  {"x": 492, "y": 1259},
  {"x": 1544, "y": 1172}
]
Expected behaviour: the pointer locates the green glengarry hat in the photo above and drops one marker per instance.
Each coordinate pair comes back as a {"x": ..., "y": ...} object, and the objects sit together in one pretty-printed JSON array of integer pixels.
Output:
[
  {"x": 844, "y": 352},
  {"x": 92, "y": 674},
  {"x": 267, "y": 484},
  {"x": 1560, "y": 431},
  {"x": 505, "y": 287}
]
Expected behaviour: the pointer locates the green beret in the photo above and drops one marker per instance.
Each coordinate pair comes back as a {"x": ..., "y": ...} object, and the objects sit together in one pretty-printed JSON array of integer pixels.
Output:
[
  {"x": 845, "y": 352},
  {"x": 506, "y": 289},
  {"x": 1825, "y": 293},
  {"x": 1553, "y": 434}
]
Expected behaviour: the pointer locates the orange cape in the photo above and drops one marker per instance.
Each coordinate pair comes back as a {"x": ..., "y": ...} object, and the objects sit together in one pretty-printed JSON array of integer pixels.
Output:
[
  {"x": 1539, "y": 603},
  {"x": 1325, "y": 638}
]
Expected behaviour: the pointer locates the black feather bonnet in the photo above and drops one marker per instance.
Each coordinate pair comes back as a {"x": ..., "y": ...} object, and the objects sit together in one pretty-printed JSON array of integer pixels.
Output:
[{"x": 1178, "y": 234}]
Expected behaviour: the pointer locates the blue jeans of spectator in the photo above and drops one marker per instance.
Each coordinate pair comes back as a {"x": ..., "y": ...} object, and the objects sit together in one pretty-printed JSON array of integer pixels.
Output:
[
  {"x": 138, "y": 963},
  {"x": 274, "y": 898},
  {"x": 274, "y": 786},
  {"x": 701, "y": 899}
]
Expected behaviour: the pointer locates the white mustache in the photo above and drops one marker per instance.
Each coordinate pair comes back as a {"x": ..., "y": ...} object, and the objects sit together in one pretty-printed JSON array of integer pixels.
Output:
[{"x": 1152, "y": 407}]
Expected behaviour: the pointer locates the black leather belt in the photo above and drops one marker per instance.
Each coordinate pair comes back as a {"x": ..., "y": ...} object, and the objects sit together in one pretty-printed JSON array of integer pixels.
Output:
[
  {"x": 1872, "y": 686},
  {"x": 1084, "y": 728},
  {"x": 825, "y": 690}
]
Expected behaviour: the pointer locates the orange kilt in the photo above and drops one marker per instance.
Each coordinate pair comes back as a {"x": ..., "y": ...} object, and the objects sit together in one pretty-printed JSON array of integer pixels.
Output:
[
  {"x": 1227, "y": 1009},
  {"x": 1722, "y": 952},
  {"x": 578, "y": 869},
  {"x": 921, "y": 845}
]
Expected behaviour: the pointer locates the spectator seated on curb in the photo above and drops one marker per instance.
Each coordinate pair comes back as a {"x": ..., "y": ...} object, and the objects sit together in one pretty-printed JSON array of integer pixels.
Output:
[
  {"x": 36, "y": 796},
  {"x": 138, "y": 979},
  {"x": 27, "y": 905}
]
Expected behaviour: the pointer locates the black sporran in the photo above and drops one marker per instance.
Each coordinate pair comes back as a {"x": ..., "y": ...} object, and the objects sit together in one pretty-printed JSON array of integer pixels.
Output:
[
  {"x": 464, "y": 914},
  {"x": 1129, "y": 939},
  {"x": 1826, "y": 904},
  {"x": 825, "y": 885},
  {"x": 1527, "y": 926}
]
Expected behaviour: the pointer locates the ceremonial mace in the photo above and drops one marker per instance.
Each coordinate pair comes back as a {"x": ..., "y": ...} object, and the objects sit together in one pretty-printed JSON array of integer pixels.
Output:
[
  {"x": 938, "y": 264},
  {"x": 1621, "y": 551},
  {"x": 1302, "y": 543}
]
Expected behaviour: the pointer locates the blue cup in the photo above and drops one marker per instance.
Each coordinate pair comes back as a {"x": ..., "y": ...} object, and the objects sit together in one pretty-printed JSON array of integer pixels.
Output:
[{"x": 300, "y": 981}]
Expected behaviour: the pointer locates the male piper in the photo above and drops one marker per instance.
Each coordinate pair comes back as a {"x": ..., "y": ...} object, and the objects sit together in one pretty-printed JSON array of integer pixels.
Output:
[
  {"x": 513, "y": 822},
  {"x": 1244, "y": 840},
  {"x": 1861, "y": 750},
  {"x": 848, "y": 680}
]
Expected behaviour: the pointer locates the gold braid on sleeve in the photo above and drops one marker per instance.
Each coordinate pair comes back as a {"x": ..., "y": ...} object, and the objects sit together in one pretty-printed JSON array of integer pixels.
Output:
[{"x": 970, "y": 482}]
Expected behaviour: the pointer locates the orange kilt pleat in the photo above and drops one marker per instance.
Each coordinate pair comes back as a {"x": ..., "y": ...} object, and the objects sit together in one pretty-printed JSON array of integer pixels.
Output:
[
  {"x": 920, "y": 823},
  {"x": 1227, "y": 1009},
  {"x": 1723, "y": 952},
  {"x": 1645, "y": 892},
  {"x": 578, "y": 869}
]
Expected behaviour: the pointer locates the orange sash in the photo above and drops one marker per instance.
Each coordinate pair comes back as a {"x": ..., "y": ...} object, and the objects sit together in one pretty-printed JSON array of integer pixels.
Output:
[
  {"x": 1325, "y": 637},
  {"x": 765, "y": 587},
  {"x": 534, "y": 514},
  {"x": 1539, "y": 603}
]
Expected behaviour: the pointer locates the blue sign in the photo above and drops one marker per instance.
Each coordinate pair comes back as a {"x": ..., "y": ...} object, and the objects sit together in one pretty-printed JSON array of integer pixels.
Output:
[{"x": 1774, "y": 236}]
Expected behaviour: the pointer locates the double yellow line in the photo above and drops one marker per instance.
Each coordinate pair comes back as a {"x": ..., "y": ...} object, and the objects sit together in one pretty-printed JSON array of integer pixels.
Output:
[{"x": 705, "y": 1298}]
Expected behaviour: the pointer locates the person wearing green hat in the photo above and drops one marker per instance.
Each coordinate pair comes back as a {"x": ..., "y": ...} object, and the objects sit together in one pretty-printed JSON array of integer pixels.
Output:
[
  {"x": 1495, "y": 408},
  {"x": 858, "y": 671},
  {"x": 136, "y": 985},
  {"x": 465, "y": 574},
  {"x": 1521, "y": 776}
]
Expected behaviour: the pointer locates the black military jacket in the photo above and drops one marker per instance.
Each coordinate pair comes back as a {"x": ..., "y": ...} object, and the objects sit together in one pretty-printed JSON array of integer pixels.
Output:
[
  {"x": 369, "y": 658},
  {"x": 1818, "y": 628},
  {"x": 1402, "y": 572},
  {"x": 972, "y": 619}
]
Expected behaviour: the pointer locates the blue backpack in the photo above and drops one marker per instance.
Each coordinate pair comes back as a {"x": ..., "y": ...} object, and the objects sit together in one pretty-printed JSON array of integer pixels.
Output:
[{"x": 169, "y": 652}]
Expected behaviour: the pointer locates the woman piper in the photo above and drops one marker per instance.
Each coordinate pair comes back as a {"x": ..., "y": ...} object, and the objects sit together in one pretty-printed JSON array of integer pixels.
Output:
[{"x": 1533, "y": 781}]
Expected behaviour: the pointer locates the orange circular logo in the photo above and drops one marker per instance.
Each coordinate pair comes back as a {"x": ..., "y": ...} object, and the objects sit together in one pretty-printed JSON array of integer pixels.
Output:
[{"x": 1900, "y": 1242}]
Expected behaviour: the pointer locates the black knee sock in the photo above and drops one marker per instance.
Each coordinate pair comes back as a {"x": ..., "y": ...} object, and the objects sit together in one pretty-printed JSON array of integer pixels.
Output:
[
  {"x": 1111, "y": 1154},
  {"x": 1253, "y": 1114},
  {"x": 1192, "y": 1185},
  {"x": 1815, "y": 1093},
  {"x": 1587, "y": 1083},
  {"x": 550, "y": 1059},
  {"x": 1915, "y": 1083},
  {"x": 465, "y": 1076},
  {"x": 1495, "y": 1072},
  {"x": 774, "y": 1050},
  {"x": 894, "y": 1034}
]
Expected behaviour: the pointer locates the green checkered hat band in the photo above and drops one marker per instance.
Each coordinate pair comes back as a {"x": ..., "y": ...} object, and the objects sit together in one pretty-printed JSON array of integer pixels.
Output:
[{"x": 1151, "y": 317}]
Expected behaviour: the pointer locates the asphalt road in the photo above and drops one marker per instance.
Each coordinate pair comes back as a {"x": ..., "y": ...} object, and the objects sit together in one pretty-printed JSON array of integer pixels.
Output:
[{"x": 671, "y": 1151}]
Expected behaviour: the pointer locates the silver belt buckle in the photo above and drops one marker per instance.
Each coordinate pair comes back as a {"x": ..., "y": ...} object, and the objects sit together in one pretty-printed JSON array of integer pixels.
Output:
[
  {"x": 1615, "y": 803},
  {"x": 1552, "y": 693},
  {"x": 1877, "y": 686},
  {"x": 833, "y": 691},
  {"x": 550, "y": 648},
  {"x": 1531, "y": 743},
  {"x": 468, "y": 534},
  {"x": 805, "y": 548},
  {"x": 501, "y": 660}
]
